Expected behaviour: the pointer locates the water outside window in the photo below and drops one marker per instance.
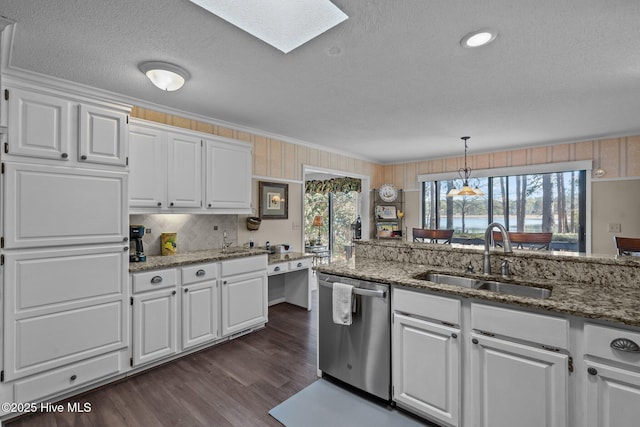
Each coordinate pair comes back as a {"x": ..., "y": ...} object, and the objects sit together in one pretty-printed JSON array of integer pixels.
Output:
[{"x": 552, "y": 202}]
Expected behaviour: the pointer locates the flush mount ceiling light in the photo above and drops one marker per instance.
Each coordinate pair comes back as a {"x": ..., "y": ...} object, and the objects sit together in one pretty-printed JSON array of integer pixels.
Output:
[
  {"x": 465, "y": 174},
  {"x": 284, "y": 24},
  {"x": 165, "y": 76},
  {"x": 478, "y": 38}
]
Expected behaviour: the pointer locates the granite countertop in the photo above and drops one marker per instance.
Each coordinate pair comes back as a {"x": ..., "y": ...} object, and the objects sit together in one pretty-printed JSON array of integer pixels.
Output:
[
  {"x": 195, "y": 257},
  {"x": 619, "y": 304},
  {"x": 291, "y": 256}
]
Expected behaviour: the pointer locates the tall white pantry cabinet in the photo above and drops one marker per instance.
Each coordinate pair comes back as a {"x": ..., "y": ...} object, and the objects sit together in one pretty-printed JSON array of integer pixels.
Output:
[{"x": 64, "y": 241}]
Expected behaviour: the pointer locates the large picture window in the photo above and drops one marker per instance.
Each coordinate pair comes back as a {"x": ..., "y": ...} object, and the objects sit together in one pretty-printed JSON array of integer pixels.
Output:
[{"x": 546, "y": 202}]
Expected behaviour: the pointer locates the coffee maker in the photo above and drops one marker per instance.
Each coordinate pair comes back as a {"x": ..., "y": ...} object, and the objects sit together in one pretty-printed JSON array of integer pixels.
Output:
[{"x": 136, "y": 251}]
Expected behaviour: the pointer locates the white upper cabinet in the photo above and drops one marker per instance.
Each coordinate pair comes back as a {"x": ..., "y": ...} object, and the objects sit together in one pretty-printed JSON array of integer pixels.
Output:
[
  {"x": 147, "y": 171},
  {"x": 40, "y": 125},
  {"x": 54, "y": 127},
  {"x": 184, "y": 185},
  {"x": 228, "y": 177},
  {"x": 103, "y": 136}
]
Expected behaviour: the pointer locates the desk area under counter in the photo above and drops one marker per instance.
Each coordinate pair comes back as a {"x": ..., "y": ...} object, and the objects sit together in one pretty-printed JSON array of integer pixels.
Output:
[{"x": 291, "y": 279}]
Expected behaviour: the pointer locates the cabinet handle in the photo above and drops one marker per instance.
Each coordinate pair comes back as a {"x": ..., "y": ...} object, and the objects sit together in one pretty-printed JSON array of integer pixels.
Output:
[
  {"x": 173, "y": 293},
  {"x": 64, "y": 155},
  {"x": 276, "y": 269},
  {"x": 83, "y": 157},
  {"x": 624, "y": 344},
  {"x": 200, "y": 273},
  {"x": 156, "y": 279},
  {"x": 186, "y": 290},
  {"x": 299, "y": 264},
  {"x": 475, "y": 341},
  {"x": 159, "y": 204},
  {"x": 454, "y": 335},
  {"x": 592, "y": 371},
  {"x": 73, "y": 377}
]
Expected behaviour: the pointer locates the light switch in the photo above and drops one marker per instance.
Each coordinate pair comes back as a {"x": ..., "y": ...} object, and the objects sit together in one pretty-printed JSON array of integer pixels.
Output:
[{"x": 615, "y": 228}]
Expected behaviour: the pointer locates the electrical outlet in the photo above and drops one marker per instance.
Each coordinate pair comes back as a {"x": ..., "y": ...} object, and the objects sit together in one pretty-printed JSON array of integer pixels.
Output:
[
  {"x": 615, "y": 228},
  {"x": 147, "y": 231},
  {"x": 215, "y": 228}
]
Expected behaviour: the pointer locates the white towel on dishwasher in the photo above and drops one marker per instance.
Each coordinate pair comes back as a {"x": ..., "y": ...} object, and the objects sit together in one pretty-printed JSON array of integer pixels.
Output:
[{"x": 342, "y": 303}]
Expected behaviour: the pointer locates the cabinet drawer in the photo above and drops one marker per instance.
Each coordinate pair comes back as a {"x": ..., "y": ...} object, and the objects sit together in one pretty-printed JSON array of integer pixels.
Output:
[
  {"x": 277, "y": 268},
  {"x": 301, "y": 263},
  {"x": 600, "y": 341},
  {"x": 537, "y": 328},
  {"x": 199, "y": 273},
  {"x": 426, "y": 305},
  {"x": 243, "y": 265},
  {"x": 156, "y": 279},
  {"x": 67, "y": 377}
]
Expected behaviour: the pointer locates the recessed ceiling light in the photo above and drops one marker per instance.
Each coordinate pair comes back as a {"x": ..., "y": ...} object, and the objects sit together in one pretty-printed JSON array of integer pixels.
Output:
[
  {"x": 478, "y": 38},
  {"x": 284, "y": 24},
  {"x": 165, "y": 76}
]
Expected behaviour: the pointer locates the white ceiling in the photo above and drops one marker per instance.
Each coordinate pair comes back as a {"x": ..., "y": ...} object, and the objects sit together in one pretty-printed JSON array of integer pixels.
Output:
[{"x": 391, "y": 83}]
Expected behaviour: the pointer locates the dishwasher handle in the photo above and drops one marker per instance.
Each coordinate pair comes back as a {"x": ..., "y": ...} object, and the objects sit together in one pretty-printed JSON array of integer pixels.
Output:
[{"x": 360, "y": 291}]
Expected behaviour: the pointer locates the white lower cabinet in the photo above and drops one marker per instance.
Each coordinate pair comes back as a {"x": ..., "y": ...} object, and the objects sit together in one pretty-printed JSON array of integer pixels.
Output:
[
  {"x": 244, "y": 293},
  {"x": 426, "y": 368},
  {"x": 199, "y": 313},
  {"x": 517, "y": 385}
]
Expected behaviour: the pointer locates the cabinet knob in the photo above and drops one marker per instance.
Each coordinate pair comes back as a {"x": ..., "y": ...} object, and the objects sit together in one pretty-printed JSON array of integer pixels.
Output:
[
  {"x": 83, "y": 157},
  {"x": 200, "y": 273},
  {"x": 209, "y": 205},
  {"x": 299, "y": 264},
  {"x": 276, "y": 269},
  {"x": 624, "y": 344},
  {"x": 475, "y": 341},
  {"x": 592, "y": 371},
  {"x": 186, "y": 290},
  {"x": 73, "y": 377},
  {"x": 173, "y": 293},
  {"x": 171, "y": 204},
  {"x": 64, "y": 155},
  {"x": 159, "y": 204},
  {"x": 224, "y": 283},
  {"x": 125, "y": 239},
  {"x": 156, "y": 279},
  {"x": 454, "y": 335},
  {"x": 126, "y": 248}
]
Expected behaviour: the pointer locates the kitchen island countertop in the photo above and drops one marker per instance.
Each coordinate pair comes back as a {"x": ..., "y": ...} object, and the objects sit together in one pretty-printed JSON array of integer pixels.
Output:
[{"x": 618, "y": 304}]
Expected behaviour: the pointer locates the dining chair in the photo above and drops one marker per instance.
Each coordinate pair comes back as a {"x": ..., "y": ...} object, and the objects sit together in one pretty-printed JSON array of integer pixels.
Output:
[
  {"x": 522, "y": 240},
  {"x": 627, "y": 245},
  {"x": 426, "y": 235}
]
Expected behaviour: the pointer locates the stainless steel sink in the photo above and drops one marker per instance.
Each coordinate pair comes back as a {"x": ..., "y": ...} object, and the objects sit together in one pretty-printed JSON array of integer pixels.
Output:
[{"x": 486, "y": 285}]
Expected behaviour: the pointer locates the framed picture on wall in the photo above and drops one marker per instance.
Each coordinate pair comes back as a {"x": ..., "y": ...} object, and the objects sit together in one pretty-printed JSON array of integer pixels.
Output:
[{"x": 273, "y": 200}]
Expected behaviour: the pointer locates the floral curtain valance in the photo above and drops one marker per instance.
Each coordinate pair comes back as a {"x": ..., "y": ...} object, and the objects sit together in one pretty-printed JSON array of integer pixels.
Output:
[{"x": 333, "y": 185}]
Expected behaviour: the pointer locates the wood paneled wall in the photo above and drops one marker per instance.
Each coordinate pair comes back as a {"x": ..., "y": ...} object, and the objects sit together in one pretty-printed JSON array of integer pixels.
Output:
[
  {"x": 619, "y": 157},
  {"x": 272, "y": 157}
]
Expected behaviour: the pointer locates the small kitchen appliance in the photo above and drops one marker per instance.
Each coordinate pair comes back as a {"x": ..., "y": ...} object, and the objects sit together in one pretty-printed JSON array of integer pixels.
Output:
[{"x": 136, "y": 250}]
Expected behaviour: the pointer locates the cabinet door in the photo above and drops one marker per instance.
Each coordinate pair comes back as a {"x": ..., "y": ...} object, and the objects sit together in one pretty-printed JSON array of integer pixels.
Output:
[
  {"x": 426, "y": 368},
  {"x": 184, "y": 185},
  {"x": 155, "y": 325},
  {"x": 244, "y": 302},
  {"x": 613, "y": 396},
  {"x": 517, "y": 385},
  {"x": 40, "y": 125},
  {"x": 199, "y": 313},
  {"x": 228, "y": 172},
  {"x": 57, "y": 205},
  {"x": 147, "y": 168},
  {"x": 102, "y": 136},
  {"x": 63, "y": 306}
]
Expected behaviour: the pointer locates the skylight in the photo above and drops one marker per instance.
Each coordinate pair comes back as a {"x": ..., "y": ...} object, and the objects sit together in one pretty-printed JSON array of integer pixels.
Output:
[{"x": 284, "y": 24}]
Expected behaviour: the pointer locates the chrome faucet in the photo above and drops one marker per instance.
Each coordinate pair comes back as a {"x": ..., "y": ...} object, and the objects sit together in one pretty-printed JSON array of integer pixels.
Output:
[
  {"x": 506, "y": 242},
  {"x": 225, "y": 244}
]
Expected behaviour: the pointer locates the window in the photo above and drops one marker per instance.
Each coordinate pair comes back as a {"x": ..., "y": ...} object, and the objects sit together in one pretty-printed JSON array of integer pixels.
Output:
[{"x": 546, "y": 202}]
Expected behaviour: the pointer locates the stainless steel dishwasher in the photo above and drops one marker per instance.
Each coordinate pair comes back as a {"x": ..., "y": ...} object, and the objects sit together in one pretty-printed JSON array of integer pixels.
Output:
[{"x": 358, "y": 354}]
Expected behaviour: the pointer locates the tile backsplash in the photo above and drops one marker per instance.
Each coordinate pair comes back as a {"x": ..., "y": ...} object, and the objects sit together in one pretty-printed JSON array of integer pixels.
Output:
[{"x": 194, "y": 232}]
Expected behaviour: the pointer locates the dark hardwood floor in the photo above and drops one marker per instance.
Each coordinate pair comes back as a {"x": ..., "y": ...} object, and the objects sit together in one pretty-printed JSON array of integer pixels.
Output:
[{"x": 231, "y": 384}]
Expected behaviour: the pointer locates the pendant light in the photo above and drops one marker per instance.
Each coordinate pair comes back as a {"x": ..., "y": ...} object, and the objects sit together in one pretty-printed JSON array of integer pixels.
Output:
[{"x": 465, "y": 173}]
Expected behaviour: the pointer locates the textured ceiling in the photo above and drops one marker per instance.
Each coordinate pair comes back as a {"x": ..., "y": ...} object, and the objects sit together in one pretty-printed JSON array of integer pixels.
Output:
[{"x": 391, "y": 83}]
